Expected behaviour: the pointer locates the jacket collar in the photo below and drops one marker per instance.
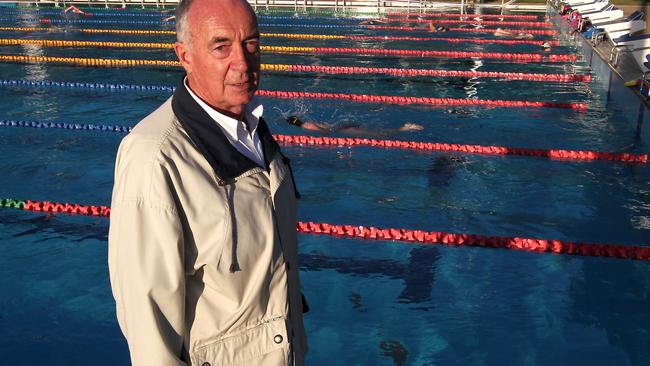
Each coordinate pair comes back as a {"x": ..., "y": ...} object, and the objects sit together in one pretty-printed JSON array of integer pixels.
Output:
[
  {"x": 225, "y": 160},
  {"x": 252, "y": 113}
]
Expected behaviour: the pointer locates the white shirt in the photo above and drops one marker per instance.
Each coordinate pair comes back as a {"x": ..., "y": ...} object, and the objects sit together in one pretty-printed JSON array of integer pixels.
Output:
[{"x": 247, "y": 143}]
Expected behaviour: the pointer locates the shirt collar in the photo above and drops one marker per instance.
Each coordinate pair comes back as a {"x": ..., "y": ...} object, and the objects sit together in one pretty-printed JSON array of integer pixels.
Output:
[{"x": 252, "y": 113}]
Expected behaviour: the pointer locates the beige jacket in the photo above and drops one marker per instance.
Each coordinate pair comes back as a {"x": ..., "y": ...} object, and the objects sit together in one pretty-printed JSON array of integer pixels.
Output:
[{"x": 203, "y": 271}]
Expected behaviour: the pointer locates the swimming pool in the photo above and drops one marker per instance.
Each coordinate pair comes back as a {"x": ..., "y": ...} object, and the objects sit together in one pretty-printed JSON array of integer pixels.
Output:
[{"x": 372, "y": 303}]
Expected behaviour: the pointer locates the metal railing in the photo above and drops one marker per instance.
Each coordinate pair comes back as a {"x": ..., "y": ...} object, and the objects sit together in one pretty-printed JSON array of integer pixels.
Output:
[
  {"x": 370, "y": 6},
  {"x": 365, "y": 6}
]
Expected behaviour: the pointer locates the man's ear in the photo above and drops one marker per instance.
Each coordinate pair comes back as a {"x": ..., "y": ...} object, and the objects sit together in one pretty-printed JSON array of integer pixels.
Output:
[{"x": 184, "y": 56}]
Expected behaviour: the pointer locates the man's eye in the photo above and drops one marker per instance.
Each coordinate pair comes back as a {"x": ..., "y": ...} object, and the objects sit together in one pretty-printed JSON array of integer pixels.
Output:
[
  {"x": 222, "y": 48},
  {"x": 253, "y": 46}
]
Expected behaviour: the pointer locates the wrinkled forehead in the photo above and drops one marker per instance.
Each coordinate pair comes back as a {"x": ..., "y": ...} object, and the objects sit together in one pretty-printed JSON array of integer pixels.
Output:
[{"x": 223, "y": 16}]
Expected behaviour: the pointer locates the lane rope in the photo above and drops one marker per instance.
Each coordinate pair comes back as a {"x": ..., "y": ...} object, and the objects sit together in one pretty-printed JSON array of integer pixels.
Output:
[
  {"x": 92, "y": 62},
  {"x": 298, "y": 36},
  {"x": 293, "y": 25},
  {"x": 122, "y": 13},
  {"x": 474, "y": 22},
  {"x": 358, "y": 98},
  {"x": 454, "y": 15},
  {"x": 388, "y": 20},
  {"x": 91, "y": 30},
  {"x": 547, "y": 32},
  {"x": 388, "y": 99},
  {"x": 535, "y": 57},
  {"x": 335, "y": 70},
  {"x": 94, "y": 13},
  {"x": 66, "y": 126},
  {"x": 404, "y": 38},
  {"x": 390, "y": 234},
  {"x": 553, "y": 154}
]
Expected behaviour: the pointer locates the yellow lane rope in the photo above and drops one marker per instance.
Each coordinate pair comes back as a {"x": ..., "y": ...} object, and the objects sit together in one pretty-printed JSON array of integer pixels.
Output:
[
  {"x": 87, "y": 61},
  {"x": 90, "y": 30},
  {"x": 303, "y": 36},
  {"x": 64, "y": 43},
  {"x": 112, "y": 62},
  {"x": 160, "y": 32}
]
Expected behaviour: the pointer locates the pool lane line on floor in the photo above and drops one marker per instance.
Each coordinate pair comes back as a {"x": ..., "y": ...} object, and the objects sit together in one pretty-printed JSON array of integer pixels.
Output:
[
  {"x": 519, "y": 57},
  {"x": 333, "y": 70},
  {"x": 553, "y": 43},
  {"x": 535, "y": 245},
  {"x": 553, "y": 154},
  {"x": 358, "y": 98}
]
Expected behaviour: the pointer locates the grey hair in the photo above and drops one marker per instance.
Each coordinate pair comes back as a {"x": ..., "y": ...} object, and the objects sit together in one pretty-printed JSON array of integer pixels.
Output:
[{"x": 182, "y": 28}]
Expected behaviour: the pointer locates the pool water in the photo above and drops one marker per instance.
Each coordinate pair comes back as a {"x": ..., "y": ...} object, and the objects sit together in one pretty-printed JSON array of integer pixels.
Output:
[{"x": 372, "y": 303}]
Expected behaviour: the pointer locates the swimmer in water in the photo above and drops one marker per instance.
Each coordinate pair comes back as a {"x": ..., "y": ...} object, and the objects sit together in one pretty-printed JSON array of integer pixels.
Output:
[
  {"x": 504, "y": 33},
  {"x": 169, "y": 18},
  {"x": 76, "y": 10},
  {"x": 373, "y": 22},
  {"x": 546, "y": 46},
  {"x": 350, "y": 128},
  {"x": 436, "y": 28}
]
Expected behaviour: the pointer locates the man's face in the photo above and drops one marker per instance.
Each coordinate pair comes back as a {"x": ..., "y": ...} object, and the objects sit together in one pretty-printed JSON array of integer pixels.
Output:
[{"x": 222, "y": 56}]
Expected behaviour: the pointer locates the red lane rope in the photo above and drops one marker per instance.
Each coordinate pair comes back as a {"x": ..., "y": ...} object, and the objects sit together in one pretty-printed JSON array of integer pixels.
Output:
[
  {"x": 452, "y": 40},
  {"x": 71, "y": 208},
  {"x": 468, "y": 149},
  {"x": 404, "y": 235},
  {"x": 387, "y": 99},
  {"x": 547, "y": 32},
  {"x": 456, "y": 239},
  {"x": 388, "y": 144},
  {"x": 535, "y": 57},
  {"x": 456, "y": 15},
  {"x": 475, "y": 22},
  {"x": 439, "y": 73}
]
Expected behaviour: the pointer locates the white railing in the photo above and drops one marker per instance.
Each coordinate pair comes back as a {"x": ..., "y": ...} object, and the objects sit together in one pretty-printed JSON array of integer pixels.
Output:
[
  {"x": 297, "y": 5},
  {"x": 366, "y": 6}
]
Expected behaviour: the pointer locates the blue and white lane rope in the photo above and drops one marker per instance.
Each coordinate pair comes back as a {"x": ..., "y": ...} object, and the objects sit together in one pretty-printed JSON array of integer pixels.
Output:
[
  {"x": 48, "y": 12},
  {"x": 66, "y": 125},
  {"x": 160, "y": 22},
  {"x": 78, "y": 85}
]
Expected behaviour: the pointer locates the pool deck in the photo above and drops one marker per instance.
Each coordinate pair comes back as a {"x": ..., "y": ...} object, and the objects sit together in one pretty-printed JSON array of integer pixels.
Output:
[{"x": 612, "y": 77}]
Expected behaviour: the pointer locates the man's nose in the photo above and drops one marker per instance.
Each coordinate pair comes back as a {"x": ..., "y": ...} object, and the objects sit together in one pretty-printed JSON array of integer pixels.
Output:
[{"x": 240, "y": 59}]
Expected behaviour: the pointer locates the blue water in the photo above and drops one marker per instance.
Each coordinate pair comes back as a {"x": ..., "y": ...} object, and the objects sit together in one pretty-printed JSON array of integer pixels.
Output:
[{"x": 373, "y": 303}]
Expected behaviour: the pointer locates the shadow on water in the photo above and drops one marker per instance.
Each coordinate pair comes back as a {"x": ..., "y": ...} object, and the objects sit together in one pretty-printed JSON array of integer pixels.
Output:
[
  {"x": 394, "y": 350},
  {"x": 94, "y": 229},
  {"x": 618, "y": 304},
  {"x": 418, "y": 274},
  {"x": 443, "y": 169}
]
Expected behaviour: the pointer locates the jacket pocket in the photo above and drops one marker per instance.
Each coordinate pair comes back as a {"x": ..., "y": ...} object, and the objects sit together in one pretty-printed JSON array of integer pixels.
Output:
[{"x": 266, "y": 344}]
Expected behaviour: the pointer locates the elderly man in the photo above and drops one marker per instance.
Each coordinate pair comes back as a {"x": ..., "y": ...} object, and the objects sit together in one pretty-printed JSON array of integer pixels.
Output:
[{"x": 202, "y": 242}]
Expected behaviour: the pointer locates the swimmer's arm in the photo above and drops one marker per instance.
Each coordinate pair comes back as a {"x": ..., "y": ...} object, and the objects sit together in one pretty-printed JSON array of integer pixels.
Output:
[{"x": 318, "y": 127}]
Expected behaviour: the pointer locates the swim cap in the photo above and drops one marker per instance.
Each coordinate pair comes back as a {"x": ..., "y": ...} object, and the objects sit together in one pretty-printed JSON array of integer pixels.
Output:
[{"x": 293, "y": 120}]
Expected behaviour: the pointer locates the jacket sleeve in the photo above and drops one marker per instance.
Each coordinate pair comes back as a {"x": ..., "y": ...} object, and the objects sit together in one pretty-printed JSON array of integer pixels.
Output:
[{"x": 145, "y": 259}]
